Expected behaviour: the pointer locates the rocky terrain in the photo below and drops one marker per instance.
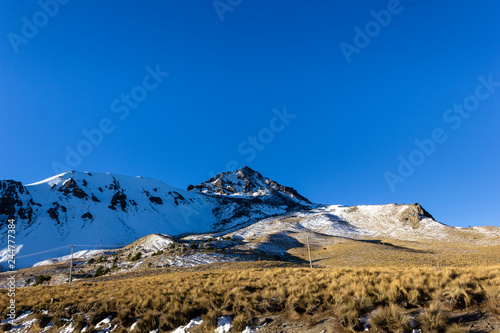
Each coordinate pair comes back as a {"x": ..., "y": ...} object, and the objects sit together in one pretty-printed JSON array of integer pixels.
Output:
[{"x": 106, "y": 209}]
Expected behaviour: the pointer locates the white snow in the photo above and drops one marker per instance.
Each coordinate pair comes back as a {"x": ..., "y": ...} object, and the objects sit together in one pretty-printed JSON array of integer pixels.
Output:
[
  {"x": 76, "y": 255},
  {"x": 104, "y": 325},
  {"x": 20, "y": 324},
  {"x": 154, "y": 242},
  {"x": 224, "y": 324},
  {"x": 151, "y": 207},
  {"x": 5, "y": 255},
  {"x": 189, "y": 260},
  {"x": 180, "y": 212},
  {"x": 192, "y": 323},
  {"x": 357, "y": 222}
]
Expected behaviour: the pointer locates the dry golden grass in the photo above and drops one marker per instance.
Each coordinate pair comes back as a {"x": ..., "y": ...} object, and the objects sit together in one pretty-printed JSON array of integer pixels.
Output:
[
  {"x": 456, "y": 328},
  {"x": 340, "y": 252},
  {"x": 170, "y": 300},
  {"x": 434, "y": 318},
  {"x": 391, "y": 318}
]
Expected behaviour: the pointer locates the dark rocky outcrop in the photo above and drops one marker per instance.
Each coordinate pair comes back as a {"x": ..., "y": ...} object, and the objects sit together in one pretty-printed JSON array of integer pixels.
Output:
[
  {"x": 87, "y": 215},
  {"x": 71, "y": 187},
  {"x": 288, "y": 190},
  {"x": 156, "y": 200},
  {"x": 94, "y": 198},
  {"x": 178, "y": 198},
  {"x": 115, "y": 185},
  {"x": 119, "y": 198},
  {"x": 9, "y": 197},
  {"x": 12, "y": 203},
  {"x": 414, "y": 214},
  {"x": 248, "y": 182},
  {"x": 54, "y": 212}
]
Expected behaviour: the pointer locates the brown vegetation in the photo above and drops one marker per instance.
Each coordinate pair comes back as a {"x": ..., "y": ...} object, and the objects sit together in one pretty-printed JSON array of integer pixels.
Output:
[{"x": 390, "y": 297}]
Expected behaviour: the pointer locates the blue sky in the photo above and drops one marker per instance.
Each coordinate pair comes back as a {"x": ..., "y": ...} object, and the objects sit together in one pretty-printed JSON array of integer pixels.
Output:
[{"x": 268, "y": 86}]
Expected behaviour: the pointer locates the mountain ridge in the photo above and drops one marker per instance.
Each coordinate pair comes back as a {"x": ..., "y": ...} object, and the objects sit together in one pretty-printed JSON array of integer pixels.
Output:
[
  {"x": 103, "y": 209},
  {"x": 114, "y": 209}
]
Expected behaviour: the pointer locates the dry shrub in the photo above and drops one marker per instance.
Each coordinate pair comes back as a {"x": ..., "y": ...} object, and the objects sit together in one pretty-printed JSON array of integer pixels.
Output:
[
  {"x": 390, "y": 318},
  {"x": 240, "y": 322},
  {"x": 5, "y": 327},
  {"x": 42, "y": 320},
  {"x": 79, "y": 323},
  {"x": 434, "y": 318},
  {"x": 349, "y": 316},
  {"x": 147, "y": 323},
  {"x": 492, "y": 294},
  {"x": 456, "y": 328},
  {"x": 457, "y": 298},
  {"x": 210, "y": 318},
  {"x": 57, "y": 321},
  {"x": 177, "y": 297},
  {"x": 125, "y": 314},
  {"x": 96, "y": 316},
  {"x": 91, "y": 329}
]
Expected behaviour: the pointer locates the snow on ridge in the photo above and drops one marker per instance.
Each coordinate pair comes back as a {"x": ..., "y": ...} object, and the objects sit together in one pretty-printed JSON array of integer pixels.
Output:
[
  {"x": 50, "y": 181},
  {"x": 76, "y": 255},
  {"x": 394, "y": 221},
  {"x": 104, "y": 209},
  {"x": 154, "y": 242},
  {"x": 246, "y": 183}
]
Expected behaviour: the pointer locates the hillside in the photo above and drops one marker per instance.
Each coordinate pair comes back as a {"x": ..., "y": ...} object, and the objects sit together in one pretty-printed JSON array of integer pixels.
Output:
[{"x": 107, "y": 209}]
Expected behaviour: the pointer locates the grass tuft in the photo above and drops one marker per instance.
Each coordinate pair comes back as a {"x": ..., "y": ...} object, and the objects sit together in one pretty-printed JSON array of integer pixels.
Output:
[{"x": 391, "y": 318}]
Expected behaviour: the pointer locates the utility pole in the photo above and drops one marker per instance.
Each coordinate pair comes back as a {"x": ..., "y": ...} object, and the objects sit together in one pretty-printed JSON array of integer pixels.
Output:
[
  {"x": 71, "y": 264},
  {"x": 309, "y": 250}
]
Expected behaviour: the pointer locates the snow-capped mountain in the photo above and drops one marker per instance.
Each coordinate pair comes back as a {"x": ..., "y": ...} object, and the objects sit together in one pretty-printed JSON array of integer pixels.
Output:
[
  {"x": 405, "y": 222},
  {"x": 94, "y": 208},
  {"x": 246, "y": 183}
]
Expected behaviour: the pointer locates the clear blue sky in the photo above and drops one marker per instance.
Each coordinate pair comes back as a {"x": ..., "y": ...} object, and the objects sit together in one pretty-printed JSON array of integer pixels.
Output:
[{"x": 352, "y": 119}]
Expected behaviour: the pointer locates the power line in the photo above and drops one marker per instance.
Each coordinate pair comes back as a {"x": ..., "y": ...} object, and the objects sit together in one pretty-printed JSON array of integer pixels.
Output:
[
  {"x": 33, "y": 254},
  {"x": 115, "y": 245},
  {"x": 66, "y": 246}
]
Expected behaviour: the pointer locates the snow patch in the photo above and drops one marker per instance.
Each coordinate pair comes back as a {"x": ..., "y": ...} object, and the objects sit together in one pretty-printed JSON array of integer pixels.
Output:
[
  {"x": 224, "y": 324},
  {"x": 79, "y": 254},
  {"x": 192, "y": 323}
]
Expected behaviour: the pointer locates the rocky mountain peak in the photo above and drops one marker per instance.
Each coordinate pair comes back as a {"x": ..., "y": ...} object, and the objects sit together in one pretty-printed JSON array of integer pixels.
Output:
[
  {"x": 245, "y": 182},
  {"x": 414, "y": 214}
]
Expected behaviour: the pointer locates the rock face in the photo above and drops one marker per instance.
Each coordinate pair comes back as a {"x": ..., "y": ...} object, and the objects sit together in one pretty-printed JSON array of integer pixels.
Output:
[
  {"x": 71, "y": 187},
  {"x": 413, "y": 215},
  {"x": 10, "y": 191},
  {"x": 246, "y": 193},
  {"x": 246, "y": 182},
  {"x": 15, "y": 201}
]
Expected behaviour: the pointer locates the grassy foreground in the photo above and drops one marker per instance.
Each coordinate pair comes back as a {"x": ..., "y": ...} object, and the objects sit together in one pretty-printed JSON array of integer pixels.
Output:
[{"x": 391, "y": 297}]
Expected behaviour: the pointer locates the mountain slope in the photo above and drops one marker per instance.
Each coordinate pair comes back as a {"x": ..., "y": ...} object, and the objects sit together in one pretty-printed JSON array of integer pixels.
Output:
[
  {"x": 247, "y": 182},
  {"x": 404, "y": 222},
  {"x": 93, "y": 209},
  {"x": 96, "y": 210}
]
